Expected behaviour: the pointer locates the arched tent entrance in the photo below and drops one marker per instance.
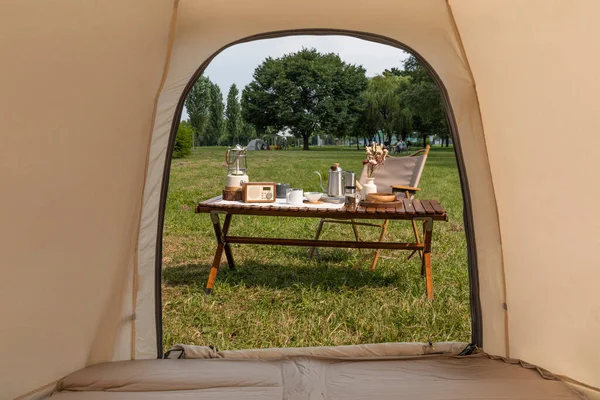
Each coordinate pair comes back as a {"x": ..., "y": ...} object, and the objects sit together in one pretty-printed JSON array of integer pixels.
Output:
[
  {"x": 474, "y": 135},
  {"x": 255, "y": 144},
  {"x": 85, "y": 173}
]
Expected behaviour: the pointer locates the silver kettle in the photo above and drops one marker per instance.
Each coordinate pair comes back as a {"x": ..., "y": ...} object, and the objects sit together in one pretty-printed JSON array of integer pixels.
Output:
[{"x": 335, "y": 181}]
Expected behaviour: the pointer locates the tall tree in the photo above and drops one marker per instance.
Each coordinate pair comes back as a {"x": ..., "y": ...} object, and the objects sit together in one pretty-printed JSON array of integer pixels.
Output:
[
  {"x": 430, "y": 115},
  {"x": 386, "y": 108},
  {"x": 233, "y": 116},
  {"x": 425, "y": 101},
  {"x": 385, "y": 111},
  {"x": 197, "y": 104},
  {"x": 248, "y": 132},
  {"x": 364, "y": 127},
  {"x": 215, "y": 124},
  {"x": 306, "y": 92}
]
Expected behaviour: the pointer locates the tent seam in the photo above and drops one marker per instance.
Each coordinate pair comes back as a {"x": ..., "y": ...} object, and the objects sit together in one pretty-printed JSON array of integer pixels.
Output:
[
  {"x": 166, "y": 66},
  {"x": 468, "y": 65}
]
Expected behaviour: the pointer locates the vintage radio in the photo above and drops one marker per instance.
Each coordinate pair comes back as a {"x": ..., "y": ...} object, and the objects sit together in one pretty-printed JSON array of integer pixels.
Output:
[{"x": 259, "y": 192}]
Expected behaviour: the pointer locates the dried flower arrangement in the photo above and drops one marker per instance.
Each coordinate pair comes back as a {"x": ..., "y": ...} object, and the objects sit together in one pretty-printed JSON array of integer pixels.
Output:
[{"x": 376, "y": 155}]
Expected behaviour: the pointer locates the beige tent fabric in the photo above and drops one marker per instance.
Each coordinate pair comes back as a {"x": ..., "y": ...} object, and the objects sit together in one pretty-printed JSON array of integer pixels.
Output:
[
  {"x": 77, "y": 87},
  {"x": 536, "y": 66},
  {"x": 425, "y": 26},
  {"x": 296, "y": 378}
]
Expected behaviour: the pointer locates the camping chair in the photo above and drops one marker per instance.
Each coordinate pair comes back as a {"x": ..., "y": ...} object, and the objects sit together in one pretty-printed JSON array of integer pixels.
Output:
[{"x": 399, "y": 175}]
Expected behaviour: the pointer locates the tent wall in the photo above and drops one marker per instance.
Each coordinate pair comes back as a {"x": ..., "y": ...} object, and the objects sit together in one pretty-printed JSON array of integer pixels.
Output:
[
  {"x": 427, "y": 27},
  {"x": 536, "y": 66},
  {"x": 78, "y": 82}
]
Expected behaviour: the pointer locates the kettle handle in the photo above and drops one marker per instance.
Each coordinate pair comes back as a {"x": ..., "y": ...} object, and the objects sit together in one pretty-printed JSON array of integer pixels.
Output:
[{"x": 320, "y": 181}]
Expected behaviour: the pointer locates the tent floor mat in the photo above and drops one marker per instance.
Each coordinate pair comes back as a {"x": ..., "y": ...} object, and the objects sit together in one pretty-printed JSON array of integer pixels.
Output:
[{"x": 294, "y": 378}]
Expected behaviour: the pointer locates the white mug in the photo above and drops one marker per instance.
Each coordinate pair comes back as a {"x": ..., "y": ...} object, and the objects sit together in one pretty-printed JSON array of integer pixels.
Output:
[{"x": 294, "y": 196}]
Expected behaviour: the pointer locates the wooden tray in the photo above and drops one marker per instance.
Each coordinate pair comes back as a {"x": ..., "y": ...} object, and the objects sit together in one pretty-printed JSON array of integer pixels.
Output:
[
  {"x": 379, "y": 197},
  {"x": 387, "y": 204}
]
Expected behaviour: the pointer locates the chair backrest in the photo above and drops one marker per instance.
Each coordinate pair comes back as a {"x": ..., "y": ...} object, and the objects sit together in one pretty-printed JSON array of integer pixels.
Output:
[{"x": 404, "y": 171}]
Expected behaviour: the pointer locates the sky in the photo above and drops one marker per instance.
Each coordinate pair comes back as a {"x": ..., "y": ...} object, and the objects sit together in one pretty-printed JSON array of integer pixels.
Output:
[{"x": 237, "y": 63}]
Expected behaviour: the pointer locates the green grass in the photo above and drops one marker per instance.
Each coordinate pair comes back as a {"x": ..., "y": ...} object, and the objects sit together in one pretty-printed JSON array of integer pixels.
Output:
[{"x": 276, "y": 297}]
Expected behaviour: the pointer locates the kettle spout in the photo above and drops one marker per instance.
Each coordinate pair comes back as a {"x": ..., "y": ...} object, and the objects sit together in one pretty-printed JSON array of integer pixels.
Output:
[{"x": 320, "y": 181}]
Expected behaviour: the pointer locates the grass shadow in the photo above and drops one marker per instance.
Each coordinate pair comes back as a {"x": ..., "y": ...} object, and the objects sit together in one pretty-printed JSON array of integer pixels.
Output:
[{"x": 323, "y": 275}]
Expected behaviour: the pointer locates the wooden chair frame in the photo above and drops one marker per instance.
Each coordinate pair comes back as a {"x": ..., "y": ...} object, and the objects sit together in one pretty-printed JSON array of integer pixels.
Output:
[{"x": 409, "y": 193}]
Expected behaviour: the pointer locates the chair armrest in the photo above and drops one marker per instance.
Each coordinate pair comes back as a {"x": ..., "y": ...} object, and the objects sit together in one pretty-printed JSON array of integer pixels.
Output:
[{"x": 404, "y": 188}]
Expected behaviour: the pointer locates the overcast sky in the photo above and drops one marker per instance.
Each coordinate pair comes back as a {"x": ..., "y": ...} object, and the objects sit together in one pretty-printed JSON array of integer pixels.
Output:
[{"x": 237, "y": 63}]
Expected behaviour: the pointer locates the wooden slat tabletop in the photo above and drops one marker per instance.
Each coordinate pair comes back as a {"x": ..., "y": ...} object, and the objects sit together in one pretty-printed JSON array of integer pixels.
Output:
[
  {"x": 400, "y": 208},
  {"x": 428, "y": 208},
  {"x": 418, "y": 207},
  {"x": 406, "y": 209},
  {"x": 437, "y": 207}
]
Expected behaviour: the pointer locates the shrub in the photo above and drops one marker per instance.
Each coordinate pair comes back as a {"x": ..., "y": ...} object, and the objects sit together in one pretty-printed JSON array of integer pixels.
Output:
[{"x": 183, "y": 140}]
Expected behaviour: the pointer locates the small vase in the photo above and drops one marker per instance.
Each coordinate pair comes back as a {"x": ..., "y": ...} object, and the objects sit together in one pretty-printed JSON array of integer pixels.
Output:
[{"x": 369, "y": 187}]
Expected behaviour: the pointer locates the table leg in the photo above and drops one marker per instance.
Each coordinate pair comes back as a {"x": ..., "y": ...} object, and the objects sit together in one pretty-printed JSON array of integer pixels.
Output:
[
  {"x": 355, "y": 230},
  {"x": 312, "y": 250},
  {"x": 357, "y": 237},
  {"x": 226, "y": 246},
  {"x": 214, "y": 270},
  {"x": 418, "y": 239},
  {"x": 381, "y": 236},
  {"x": 428, "y": 228}
]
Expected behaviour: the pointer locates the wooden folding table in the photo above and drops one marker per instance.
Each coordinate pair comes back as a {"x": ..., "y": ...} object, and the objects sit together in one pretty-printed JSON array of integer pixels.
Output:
[{"x": 411, "y": 210}]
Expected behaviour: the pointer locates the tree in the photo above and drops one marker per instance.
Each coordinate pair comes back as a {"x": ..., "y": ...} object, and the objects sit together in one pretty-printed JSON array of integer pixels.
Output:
[
  {"x": 430, "y": 116},
  {"x": 425, "y": 100},
  {"x": 183, "y": 140},
  {"x": 305, "y": 92},
  {"x": 386, "y": 107},
  {"x": 233, "y": 116},
  {"x": 248, "y": 132},
  {"x": 365, "y": 128},
  {"x": 215, "y": 123},
  {"x": 385, "y": 111},
  {"x": 197, "y": 104}
]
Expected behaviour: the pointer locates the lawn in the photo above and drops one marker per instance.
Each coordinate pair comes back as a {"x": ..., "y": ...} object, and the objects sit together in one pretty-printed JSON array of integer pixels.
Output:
[{"x": 276, "y": 297}]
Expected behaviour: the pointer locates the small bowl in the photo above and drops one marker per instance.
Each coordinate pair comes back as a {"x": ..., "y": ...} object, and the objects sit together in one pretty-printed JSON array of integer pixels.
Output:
[
  {"x": 381, "y": 197},
  {"x": 313, "y": 197}
]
